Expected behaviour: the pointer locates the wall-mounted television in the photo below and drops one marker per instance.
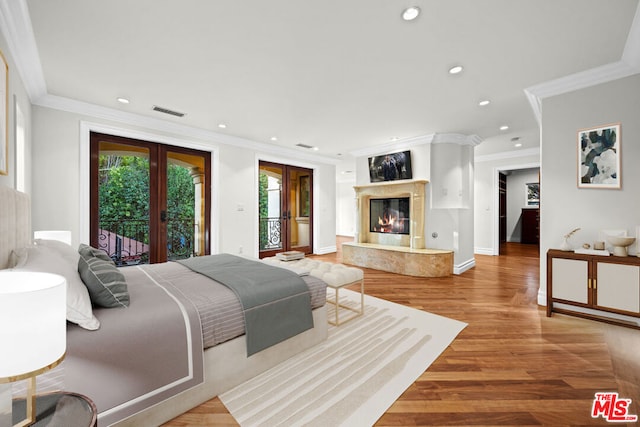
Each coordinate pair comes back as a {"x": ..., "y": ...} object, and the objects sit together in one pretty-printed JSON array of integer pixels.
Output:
[{"x": 390, "y": 167}]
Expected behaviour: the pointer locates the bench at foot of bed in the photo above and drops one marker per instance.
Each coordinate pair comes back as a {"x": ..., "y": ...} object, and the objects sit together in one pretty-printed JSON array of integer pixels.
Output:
[{"x": 336, "y": 276}]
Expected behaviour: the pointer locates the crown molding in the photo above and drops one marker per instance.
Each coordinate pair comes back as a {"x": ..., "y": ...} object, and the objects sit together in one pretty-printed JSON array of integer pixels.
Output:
[
  {"x": 400, "y": 144},
  {"x": 96, "y": 111},
  {"x": 508, "y": 155},
  {"x": 628, "y": 65},
  {"x": 407, "y": 143},
  {"x": 456, "y": 138},
  {"x": 15, "y": 24}
]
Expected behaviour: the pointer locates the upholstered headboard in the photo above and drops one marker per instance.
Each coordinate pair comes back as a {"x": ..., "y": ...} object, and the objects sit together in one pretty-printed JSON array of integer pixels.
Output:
[{"x": 15, "y": 222}]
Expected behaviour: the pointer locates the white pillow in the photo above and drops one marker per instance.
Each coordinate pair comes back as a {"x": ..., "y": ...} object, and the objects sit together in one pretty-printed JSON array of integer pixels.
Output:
[
  {"x": 44, "y": 258},
  {"x": 66, "y": 251}
]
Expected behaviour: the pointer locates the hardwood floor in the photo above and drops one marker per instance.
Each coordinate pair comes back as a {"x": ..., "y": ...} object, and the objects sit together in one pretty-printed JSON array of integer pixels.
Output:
[{"x": 511, "y": 365}]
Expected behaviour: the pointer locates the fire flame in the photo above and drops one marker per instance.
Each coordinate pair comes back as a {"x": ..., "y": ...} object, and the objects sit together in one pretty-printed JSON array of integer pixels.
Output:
[{"x": 387, "y": 223}]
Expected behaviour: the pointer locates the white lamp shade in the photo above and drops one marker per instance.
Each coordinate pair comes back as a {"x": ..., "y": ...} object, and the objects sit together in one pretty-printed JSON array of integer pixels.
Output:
[
  {"x": 33, "y": 327},
  {"x": 61, "y": 235}
]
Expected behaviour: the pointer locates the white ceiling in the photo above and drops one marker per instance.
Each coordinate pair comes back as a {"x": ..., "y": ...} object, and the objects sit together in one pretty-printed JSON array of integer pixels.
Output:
[{"x": 339, "y": 75}]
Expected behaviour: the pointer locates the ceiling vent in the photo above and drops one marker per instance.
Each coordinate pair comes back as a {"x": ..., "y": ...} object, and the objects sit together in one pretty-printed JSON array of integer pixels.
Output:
[
  {"x": 304, "y": 146},
  {"x": 167, "y": 111}
]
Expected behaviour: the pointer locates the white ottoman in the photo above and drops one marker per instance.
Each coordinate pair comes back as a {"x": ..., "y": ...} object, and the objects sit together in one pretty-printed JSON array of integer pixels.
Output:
[{"x": 336, "y": 276}]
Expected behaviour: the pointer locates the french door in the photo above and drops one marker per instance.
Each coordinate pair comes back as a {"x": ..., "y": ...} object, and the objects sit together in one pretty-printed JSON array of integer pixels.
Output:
[
  {"x": 285, "y": 200},
  {"x": 149, "y": 202}
]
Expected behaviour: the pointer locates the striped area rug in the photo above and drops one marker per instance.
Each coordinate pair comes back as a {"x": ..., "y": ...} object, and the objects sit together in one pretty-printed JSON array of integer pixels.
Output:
[{"x": 352, "y": 378}]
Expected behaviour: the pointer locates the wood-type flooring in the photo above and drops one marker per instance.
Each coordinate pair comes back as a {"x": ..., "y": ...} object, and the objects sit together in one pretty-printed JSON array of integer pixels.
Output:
[{"x": 510, "y": 366}]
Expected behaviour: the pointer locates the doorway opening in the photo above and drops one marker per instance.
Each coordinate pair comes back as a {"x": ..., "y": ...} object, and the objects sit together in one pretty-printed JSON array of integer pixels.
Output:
[
  {"x": 148, "y": 201},
  {"x": 516, "y": 211},
  {"x": 285, "y": 204}
]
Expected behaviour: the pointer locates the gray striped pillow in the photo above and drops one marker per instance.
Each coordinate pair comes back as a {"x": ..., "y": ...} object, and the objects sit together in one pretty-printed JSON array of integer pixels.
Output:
[
  {"x": 89, "y": 251},
  {"x": 107, "y": 286}
]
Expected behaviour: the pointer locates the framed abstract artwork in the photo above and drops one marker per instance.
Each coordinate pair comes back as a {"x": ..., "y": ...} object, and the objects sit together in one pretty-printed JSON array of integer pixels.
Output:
[
  {"x": 4, "y": 116},
  {"x": 533, "y": 193},
  {"x": 599, "y": 157}
]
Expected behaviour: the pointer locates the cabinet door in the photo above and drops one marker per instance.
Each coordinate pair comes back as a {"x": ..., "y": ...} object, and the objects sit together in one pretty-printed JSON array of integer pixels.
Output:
[
  {"x": 570, "y": 279},
  {"x": 618, "y": 286}
]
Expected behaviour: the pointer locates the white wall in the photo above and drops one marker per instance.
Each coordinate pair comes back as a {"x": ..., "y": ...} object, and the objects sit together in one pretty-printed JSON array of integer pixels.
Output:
[
  {"x": 517, "y": 199},
  {"x": 57, "y": 179},
  {"x": 16, "y": 95},
  {"x": 345, "y": 208},
  {"x": 563, "y": 206}
]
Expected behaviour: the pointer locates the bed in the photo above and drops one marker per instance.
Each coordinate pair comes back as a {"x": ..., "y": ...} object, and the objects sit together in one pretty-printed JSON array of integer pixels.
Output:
[{"x": 145, "y": 364}]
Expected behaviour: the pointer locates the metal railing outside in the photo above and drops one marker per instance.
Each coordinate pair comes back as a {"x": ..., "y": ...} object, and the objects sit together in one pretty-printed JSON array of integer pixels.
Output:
[{"x": 127, "y": 242}]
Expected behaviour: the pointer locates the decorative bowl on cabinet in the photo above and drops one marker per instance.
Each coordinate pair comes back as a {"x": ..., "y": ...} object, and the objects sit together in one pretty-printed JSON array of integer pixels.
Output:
[{"x": 620, "y": 244}]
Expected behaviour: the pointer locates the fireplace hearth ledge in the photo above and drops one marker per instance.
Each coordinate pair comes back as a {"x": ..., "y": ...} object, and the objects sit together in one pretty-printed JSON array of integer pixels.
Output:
[{"x": 399, "y": 259}]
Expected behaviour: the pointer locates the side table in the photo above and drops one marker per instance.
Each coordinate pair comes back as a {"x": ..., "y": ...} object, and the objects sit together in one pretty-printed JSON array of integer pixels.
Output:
[{"x": 59, "y": 409}]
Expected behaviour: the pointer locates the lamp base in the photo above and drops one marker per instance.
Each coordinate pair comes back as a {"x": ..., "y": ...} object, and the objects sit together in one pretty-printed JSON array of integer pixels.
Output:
[
  {"x": 30, "y": 405},
  {"x": 60, "y": 408}
]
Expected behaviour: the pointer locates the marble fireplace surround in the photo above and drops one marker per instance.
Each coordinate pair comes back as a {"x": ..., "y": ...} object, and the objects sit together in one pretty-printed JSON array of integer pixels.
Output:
[
  {"x": 415, "y": 190},
  {"x": 397, "y": 253}
]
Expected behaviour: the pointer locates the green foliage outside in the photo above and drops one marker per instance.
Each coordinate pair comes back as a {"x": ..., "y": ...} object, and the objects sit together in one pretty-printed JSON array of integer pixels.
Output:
[
  {"x": 263, "y": 209},
  {"x": 180, "y": 212},
  {"x": 124, "y": 188},
  {"x": 124, "y": 195}
]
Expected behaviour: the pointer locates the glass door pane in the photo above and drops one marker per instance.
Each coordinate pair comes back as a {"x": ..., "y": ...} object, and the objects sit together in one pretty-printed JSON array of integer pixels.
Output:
[
  {"x": 300, "y": 207},
  {"x": 270, "y": 209},
  {"x": 184, "y": 217},
  {"x": 123, "y": 192},
  {"x": 285, "y": 209}
]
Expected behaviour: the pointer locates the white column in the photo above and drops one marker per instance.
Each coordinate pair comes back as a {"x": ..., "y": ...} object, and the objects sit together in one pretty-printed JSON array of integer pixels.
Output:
[{"x": 198, "y": 179}]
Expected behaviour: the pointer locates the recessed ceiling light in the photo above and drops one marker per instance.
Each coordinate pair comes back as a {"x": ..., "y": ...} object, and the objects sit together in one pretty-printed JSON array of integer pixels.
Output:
[
  {"x": 484, "y": 102},
  {"x": 394, "y": 138},
  {"x": 505, "y": 127},
  {"x": 519, "y": 144},
  {"x": 222, "y": 126},
  {"x": 411, "y": 13},
  {"x": 316, "y": 148},
  {"x": 122, "y": 100},
  {"x": 273, "y": 138},
  {"x": 455, "y": 70}
]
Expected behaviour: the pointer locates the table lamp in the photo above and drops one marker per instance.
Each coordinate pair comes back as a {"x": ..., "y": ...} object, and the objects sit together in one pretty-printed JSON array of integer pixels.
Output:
[
  {"x": 33, "y": 332},
  {"x": 61, "y": 235}
]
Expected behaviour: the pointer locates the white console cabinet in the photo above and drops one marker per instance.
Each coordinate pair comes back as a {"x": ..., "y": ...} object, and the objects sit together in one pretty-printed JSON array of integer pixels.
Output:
[{"x": 600, "y": 284}]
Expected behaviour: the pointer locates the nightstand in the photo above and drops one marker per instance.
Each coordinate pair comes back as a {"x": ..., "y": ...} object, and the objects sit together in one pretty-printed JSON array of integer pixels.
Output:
[{"x": 59, "y": 409}]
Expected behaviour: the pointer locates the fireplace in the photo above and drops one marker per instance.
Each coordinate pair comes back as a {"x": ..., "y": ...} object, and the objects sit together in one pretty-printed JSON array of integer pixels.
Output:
[
  {"x": 407, "y": 197},
  {"x": 389, "y": 215},
  {"x": 398, "y": 247}
]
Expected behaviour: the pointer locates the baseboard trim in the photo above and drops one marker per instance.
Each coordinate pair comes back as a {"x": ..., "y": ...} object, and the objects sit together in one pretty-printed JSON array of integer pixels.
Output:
[
  {"x": 326, "y": 250},
  {"x": 461, "y": 268},
  {"x": 484, "y": 251}
]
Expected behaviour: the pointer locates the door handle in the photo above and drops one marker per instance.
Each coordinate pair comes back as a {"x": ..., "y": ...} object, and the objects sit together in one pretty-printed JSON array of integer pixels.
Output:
[{"x": 163, "y": 216}]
